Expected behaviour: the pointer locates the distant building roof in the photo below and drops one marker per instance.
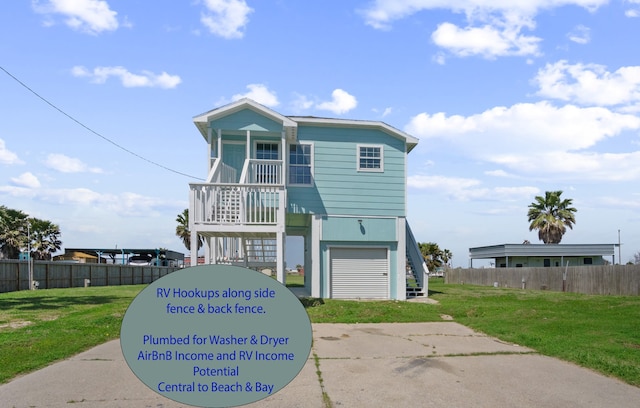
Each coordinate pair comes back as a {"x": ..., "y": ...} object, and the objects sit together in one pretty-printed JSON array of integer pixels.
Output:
[
  {"x": 541, "y": 250},
  {"x": 93, "y": 252}
]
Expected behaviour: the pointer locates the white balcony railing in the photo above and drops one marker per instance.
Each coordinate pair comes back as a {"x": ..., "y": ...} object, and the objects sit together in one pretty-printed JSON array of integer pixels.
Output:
[
  {"x": 237, "y": 204},
  {"x": 264, "y": 172},
  {"x": 221, "y": 173}
]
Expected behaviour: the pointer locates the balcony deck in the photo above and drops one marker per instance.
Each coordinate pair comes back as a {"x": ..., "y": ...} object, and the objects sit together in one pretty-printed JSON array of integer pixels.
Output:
[{"x": 230, "y": 208}]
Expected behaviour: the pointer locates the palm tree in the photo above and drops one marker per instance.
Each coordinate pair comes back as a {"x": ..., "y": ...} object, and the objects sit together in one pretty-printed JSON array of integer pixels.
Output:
[
  {"x": 13, "y": 232},
  {"x": 550, "y": 215},
  {"x": 432, "y": 254},
  {"x": 446, "y": 257},
  {"x": 45, "y": 238},
  {"x": 182, "y": 230}
]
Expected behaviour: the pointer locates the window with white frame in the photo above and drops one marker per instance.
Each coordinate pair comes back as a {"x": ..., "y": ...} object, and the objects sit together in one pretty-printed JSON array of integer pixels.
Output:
[
  {"x": 370, "y": 158},
  {"x": 265, "y": 172},
  {"x": 301, "y": 164},
  {"x": 266, "y": 151}
]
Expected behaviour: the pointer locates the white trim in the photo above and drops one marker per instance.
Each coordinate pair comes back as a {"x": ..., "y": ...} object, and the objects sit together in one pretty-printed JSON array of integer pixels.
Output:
[
  {"x": 202, "y": 121},
  {"x": 381, "y": 158},
  {"x": 312, "y": 164},
  {"x": 275, "y": 142},
  {"x": 316, "y": 271}
]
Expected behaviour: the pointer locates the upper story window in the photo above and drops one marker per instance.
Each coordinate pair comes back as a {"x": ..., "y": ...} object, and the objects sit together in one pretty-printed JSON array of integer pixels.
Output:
[
  {"x": 266, "y": 151},
  {"x": 301, "y": 164},
  {"x": 370, "y": 158}
]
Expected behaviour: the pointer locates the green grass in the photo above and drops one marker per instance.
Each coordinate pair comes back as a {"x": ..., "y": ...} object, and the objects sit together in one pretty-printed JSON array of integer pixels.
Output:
[
  {"x": 39, "y": 327},
  {"x": 294, "y": 280},
  {"x": 599, "y": 332}
]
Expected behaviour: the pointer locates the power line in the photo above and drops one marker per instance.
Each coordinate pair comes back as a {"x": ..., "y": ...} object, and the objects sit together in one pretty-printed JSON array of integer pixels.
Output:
[{"x": 93, "y": 131}]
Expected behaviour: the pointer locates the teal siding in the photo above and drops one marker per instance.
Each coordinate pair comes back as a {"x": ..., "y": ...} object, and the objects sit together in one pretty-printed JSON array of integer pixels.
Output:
[
  {"x": 349, "y": 229},
  {"x": 339, "y": 187},
  {"x": 246, "y": 119}
]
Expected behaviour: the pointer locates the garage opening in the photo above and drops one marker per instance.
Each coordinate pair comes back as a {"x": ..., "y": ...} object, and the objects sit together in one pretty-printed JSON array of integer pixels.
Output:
[{"x": 359, "y": 273}]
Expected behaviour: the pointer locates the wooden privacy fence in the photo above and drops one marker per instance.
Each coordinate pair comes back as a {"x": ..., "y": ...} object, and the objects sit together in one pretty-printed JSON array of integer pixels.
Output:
[
  {"x": 14, "y": 275},
  {"x": 593, "y": 280}
]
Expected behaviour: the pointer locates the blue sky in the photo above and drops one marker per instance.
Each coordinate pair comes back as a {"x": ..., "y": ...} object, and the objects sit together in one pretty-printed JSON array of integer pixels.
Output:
[{"x": 508, "y": 98}]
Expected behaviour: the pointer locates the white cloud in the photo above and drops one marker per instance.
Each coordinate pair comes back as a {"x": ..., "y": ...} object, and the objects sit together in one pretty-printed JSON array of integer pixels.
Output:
[
  {"x": 589, "y": 165},
  {"x": 342, "y": 102},
  {"x": 301, "y": 103},
  {"x": 27, "y": 180},
  {"x": 226, "y": 18},
  {"x": 122, "y": 204},
  {"x": 99, "y": 75},
  {"x": 487, "y": 41},
  {"x": 66, "y": 164},
  {"x": 383, "y": 12},
  {"x": 89, "y": 16},
  {"x": 497, "y": 173},
  {"x": 259, "y": 93},
  {"x": 464, "y": 189},
  {"x": 589, "y": 84},
  {"x": 538, "y": 139},
  {"x": 634, "y": 11},
  {"x": 494, "y": 28},
  {"x": 7, "y": 156},
  {"x": 580, "y": 34}
]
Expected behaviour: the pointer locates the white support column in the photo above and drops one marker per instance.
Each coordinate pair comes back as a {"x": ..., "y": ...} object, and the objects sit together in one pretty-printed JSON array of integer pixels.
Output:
[
  {"x": 214, "y": 249},
  {"x": 280, "y": 250},
  {"x": 192, "y": 229},
  {"x": 284, "y": 157},
  {"x": 245, "y": 254},
  {"x": 316, "y": 237},
  {"x": 248, "y": 145},
  {"x": 210, "y": 145},
  {"x": 194, "y": 247},
  {"x": 207, "y": 250},
  {"x": 401, "y": 260},
  {"x": 219, "y": 140},
  {"x": 308, "y": 261}
]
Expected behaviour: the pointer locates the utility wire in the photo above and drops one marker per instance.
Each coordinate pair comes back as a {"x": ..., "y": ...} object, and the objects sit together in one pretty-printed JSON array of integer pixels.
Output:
[{"x": 94, "y": 132}]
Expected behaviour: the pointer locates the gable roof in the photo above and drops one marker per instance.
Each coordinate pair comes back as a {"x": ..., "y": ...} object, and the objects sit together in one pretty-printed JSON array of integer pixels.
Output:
[
  {"x": 202, "y": 121},
  {"x": 290, "y": 123},
  {"x": 411, "y": 141}
]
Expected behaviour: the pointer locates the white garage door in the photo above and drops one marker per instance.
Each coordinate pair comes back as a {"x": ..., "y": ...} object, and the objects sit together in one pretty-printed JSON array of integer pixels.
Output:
[{"x": 359, "y": 273}]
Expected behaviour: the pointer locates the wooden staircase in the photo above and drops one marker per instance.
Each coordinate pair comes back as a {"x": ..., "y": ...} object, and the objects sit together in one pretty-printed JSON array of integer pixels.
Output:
[{"x": 261, "y": 251}]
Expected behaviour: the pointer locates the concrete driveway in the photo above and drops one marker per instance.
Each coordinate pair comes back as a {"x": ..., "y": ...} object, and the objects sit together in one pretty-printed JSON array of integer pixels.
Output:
[{"x": 360, "y": 365}]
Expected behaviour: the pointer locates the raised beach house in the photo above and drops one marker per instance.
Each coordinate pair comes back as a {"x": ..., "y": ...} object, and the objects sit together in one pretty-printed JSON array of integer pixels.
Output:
[{"x": 340, "y": 184}]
